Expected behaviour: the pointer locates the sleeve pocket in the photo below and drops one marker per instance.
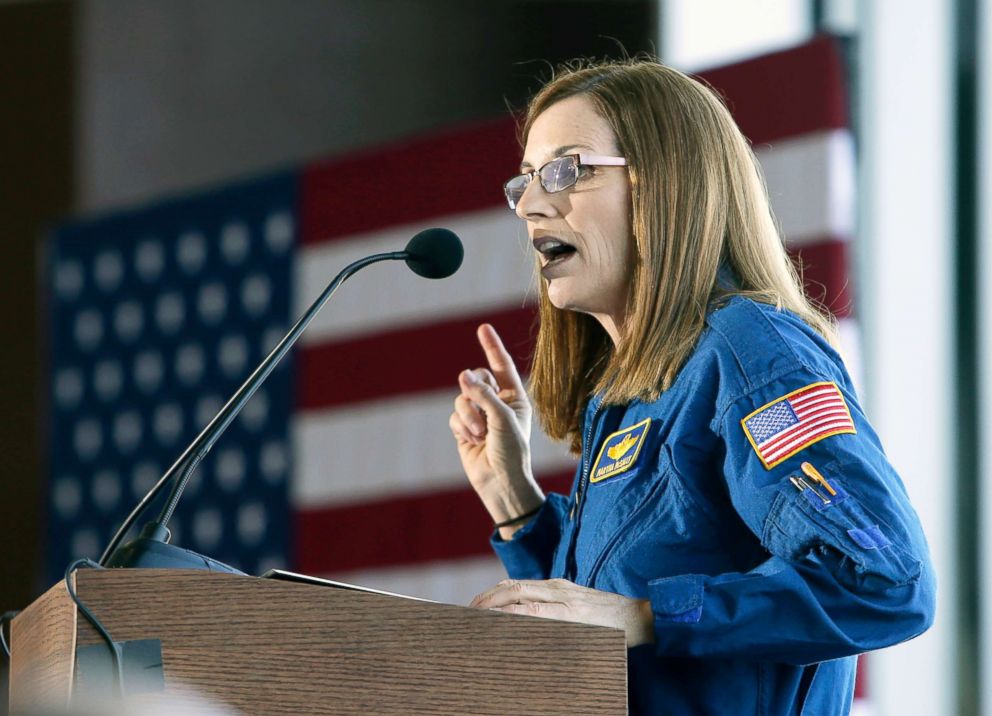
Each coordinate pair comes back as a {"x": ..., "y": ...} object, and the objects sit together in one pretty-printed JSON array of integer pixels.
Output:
[
  {"x": 843, "y": 536},
  {"x": 678, "y": 598}
]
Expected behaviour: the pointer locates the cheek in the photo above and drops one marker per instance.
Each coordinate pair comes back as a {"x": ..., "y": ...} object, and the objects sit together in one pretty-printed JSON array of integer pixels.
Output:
[
  {"x": 607, "y": 229},
  {"x": 619, "y": 240},
  {"x": 616, "y": 225}
]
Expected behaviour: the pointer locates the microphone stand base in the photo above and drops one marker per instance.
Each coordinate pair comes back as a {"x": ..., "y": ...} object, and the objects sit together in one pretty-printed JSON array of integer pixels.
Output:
[{"x": 146, "y": 553}]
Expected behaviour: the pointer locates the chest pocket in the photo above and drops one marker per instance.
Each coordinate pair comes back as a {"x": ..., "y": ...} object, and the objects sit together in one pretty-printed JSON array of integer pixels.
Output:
[
  {"x": 625, "y": 469},
  {"x": 650, "y": 526},
  {"x": 843, "y": 535}
]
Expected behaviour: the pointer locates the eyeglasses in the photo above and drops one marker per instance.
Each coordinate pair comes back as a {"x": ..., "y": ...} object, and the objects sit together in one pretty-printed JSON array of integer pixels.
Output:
[{"x": 557, "y": 175}]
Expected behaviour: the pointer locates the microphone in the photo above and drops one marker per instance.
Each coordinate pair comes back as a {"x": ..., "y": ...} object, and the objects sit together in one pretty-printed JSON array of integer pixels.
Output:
[{"x": 432, "y": 253}]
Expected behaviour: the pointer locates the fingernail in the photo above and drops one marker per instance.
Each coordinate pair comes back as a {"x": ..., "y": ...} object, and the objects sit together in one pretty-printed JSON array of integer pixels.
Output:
[
  {"x": 470, "y": 377},
  {"x": 476, "y": 428}
]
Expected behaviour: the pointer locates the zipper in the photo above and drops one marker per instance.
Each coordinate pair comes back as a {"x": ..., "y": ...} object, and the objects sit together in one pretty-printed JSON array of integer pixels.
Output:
[
  {"x": 647, "y": 500},
  {"x": 580, "y": 491}
]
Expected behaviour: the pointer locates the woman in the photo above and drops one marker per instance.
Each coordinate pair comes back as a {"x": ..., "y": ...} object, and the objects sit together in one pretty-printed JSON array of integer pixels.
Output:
[{"x": 733, "y": 511}]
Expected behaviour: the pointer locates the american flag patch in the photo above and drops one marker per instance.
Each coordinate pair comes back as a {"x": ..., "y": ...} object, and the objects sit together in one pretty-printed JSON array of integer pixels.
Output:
[{"x": 783, "y": 427}]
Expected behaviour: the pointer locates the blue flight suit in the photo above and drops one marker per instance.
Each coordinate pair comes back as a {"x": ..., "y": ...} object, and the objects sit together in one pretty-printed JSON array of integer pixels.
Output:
[{"x": 764, "y": 582}]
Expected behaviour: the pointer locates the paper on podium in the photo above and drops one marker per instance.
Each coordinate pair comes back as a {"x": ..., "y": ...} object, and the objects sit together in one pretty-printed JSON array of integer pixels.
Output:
[{"x": 283, "y": 575}]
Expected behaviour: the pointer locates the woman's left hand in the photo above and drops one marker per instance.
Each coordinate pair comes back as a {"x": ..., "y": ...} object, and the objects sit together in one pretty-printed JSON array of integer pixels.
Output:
[{"x": 568, "y": 602}]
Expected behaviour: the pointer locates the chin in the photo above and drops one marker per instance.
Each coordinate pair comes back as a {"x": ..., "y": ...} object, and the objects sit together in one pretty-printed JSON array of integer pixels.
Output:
[{"x": 564, "y": 300}]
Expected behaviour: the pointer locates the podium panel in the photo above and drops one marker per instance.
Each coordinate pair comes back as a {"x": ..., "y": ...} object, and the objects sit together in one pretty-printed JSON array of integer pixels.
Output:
[{"x": 271, "y": 647}]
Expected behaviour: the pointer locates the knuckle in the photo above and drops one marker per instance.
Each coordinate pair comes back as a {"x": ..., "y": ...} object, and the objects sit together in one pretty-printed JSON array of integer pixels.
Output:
[
  {"x": 486, "y": 381},
  {"x": 484, "y": 388}
]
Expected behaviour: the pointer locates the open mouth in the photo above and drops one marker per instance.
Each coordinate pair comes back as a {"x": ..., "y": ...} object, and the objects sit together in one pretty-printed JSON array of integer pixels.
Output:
[{"x": 553, "y": 250}]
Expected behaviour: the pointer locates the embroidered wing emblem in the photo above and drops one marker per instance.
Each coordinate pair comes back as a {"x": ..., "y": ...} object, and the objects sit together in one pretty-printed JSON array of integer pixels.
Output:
[{"x": 619, "y": 452}]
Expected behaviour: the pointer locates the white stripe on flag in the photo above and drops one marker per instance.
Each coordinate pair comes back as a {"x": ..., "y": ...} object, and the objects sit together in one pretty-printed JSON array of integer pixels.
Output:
[
  {"x": 811, "y": 185},
  {"x": 392, "y": 447},
  {"x": 498, "y": 272}
]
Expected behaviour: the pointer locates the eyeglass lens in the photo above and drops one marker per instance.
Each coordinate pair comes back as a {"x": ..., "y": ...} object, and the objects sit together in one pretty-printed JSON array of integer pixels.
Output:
[{"x": 556, "y": 175}]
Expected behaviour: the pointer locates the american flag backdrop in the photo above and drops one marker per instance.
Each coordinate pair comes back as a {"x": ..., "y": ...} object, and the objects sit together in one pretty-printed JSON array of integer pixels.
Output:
[{"x": 343, "y": 464}]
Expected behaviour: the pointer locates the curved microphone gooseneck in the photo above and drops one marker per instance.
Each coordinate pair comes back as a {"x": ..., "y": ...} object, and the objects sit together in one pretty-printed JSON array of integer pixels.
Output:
[{"x": 433, "y": 253}]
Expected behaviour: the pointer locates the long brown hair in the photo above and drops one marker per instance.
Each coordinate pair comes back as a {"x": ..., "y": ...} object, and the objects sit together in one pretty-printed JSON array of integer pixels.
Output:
[{"x": 698, "y": 200}]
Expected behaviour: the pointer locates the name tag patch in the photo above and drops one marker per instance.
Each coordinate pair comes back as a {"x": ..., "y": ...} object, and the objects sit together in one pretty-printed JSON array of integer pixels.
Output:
[{"x": 620, "y": 451}]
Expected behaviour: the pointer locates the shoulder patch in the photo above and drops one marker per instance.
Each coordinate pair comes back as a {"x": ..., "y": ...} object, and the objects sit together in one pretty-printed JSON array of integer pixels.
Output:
[
  {"x": 619, "y": 451},
  {"x": 789, "y": 424}
]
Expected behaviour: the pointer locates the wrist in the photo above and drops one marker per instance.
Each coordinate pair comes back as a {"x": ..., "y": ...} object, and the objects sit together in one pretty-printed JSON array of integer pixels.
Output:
[
  {"x": 506, "y": 507},
  {"x": 642, "y": 630},
  {"x": 522, "y": 519},
  {"x": 509, "y": 494},
  {"x": 509, "y": 527}
]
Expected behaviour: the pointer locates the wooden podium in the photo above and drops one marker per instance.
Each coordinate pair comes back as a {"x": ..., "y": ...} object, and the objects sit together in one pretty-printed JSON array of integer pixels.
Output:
[{"x": 273, "y": 647}]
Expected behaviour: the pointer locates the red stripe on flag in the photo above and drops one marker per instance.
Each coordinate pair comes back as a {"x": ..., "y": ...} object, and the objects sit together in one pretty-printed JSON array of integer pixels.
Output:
[
  {"x": 861, "y": 678},
  {"x": 451, "y": 172},
  {"x": 835, "y": 407},
  {"x": 825, "y": 273},
  {"x": 788, "y": 93},
  {"x": 812, "y": 392},
  {"x": 400, "y": 530},
  {"x": 818, "y": 406},
  {"x": 804, "y": 440},
  {"x": 809, "y": 402},
  {"x": 407, "y": 360},
  {"x": 771, "y": 451}
]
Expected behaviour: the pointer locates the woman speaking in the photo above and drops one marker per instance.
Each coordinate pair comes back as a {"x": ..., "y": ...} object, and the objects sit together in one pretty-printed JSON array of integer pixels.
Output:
[{"x": 733, "y": 510}]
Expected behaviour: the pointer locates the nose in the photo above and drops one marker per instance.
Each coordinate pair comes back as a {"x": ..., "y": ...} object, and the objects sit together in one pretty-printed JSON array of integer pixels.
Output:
[{"x": 535, "y": 202}]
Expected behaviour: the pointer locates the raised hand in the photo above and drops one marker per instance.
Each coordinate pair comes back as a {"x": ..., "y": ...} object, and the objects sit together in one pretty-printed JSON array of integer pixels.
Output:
[{"x": 491, "y": 423}]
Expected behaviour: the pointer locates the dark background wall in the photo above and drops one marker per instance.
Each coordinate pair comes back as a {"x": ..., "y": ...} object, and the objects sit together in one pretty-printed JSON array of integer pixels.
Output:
[
  {"x": 106, "y": 103},
  {"x": 36, "y": 183},
  {"x": 181, "y": 93}
]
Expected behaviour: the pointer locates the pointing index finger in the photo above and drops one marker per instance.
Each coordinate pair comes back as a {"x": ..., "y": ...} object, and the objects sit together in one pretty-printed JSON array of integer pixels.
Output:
[{"x": 500, "y": 361}]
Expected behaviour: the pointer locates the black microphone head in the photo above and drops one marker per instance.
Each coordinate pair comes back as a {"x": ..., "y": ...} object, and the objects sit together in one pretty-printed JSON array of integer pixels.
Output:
[{"x": 435, "y": 253}]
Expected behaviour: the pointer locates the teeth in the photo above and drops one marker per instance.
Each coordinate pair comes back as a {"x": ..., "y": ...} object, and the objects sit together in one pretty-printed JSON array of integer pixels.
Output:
[{"x": 549, "y": 245}]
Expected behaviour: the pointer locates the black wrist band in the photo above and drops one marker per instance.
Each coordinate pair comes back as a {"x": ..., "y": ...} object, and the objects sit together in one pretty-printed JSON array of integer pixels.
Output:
[{"x": 524, "y": 516}]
